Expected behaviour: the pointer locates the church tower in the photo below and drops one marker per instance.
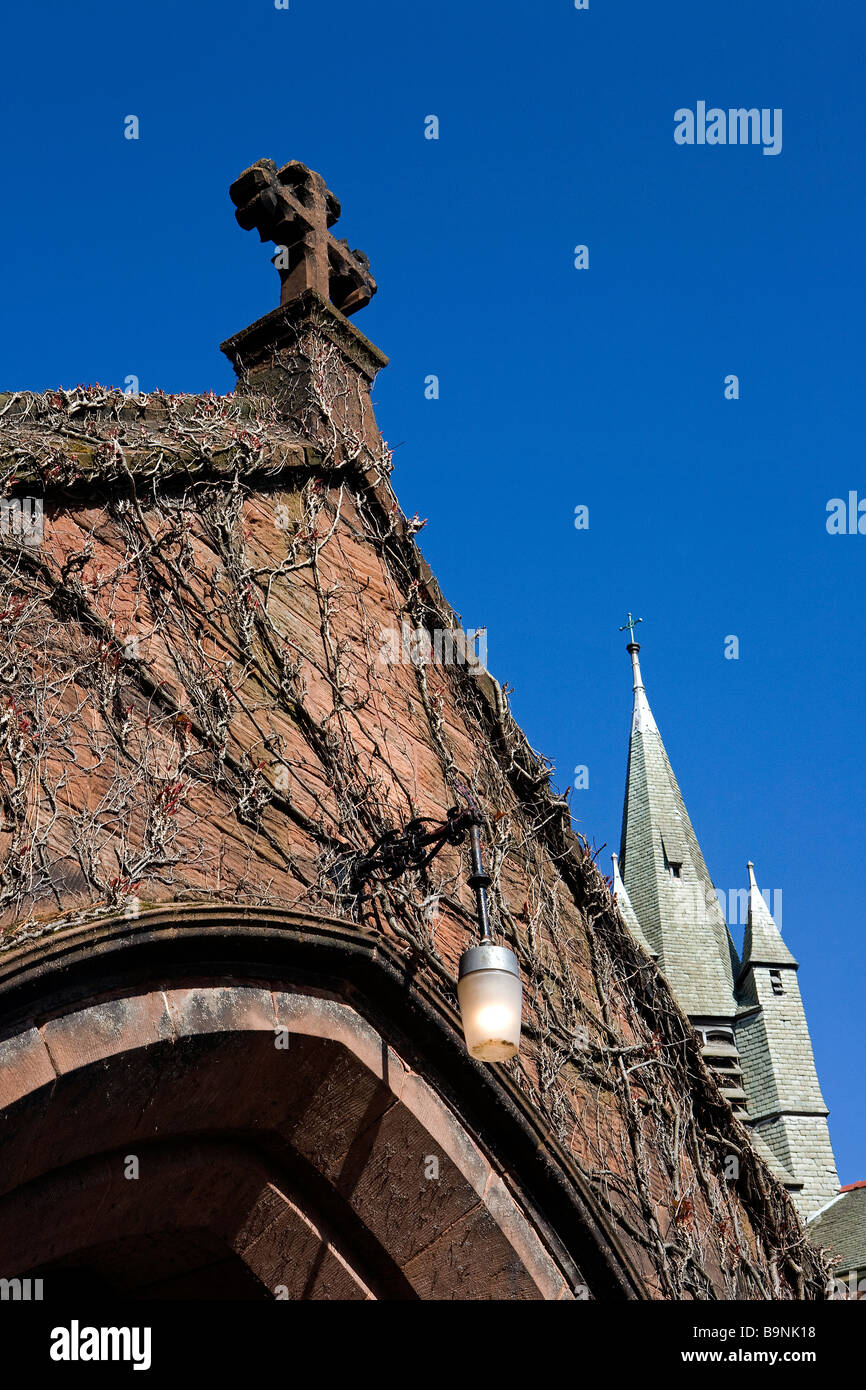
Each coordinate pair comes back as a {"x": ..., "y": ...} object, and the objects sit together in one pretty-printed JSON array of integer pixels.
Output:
[{"x": 749, "y": 1015}]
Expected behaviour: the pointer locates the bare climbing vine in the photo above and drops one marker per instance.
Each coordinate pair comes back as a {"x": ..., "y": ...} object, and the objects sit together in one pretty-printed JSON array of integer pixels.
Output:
[{"x": 194, "y": 705}]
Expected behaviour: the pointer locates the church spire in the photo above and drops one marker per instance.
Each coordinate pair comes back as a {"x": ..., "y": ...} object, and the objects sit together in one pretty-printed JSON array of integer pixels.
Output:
[
  {"x": 751, "y": 1022},
  {"x": 669, "y": 888}
]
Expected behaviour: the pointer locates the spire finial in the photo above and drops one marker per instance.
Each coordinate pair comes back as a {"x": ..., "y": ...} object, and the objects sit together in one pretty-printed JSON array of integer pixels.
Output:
[
  {"x": 629, "y": 626},
  {"x": 633, "y": 648}
]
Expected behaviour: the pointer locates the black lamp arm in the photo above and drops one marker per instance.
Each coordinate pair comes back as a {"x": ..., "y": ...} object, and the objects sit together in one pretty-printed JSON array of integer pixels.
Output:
[{"x": 416, "y": 845}]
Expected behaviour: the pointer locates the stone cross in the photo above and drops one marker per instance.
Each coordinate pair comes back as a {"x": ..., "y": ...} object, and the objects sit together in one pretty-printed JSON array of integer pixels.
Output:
[
  {"x": 294, "y": 208},
  {"x": 630, "y": 626}
]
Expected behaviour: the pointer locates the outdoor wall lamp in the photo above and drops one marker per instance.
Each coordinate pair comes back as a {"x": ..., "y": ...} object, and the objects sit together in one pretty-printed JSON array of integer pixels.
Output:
[
  {"x": 488, "y": 980},
  {"x": 488, "y": 983}
]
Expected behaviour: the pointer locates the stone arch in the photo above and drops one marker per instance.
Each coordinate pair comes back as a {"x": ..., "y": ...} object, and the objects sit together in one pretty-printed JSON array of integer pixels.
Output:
[{"x": 338, "y": 1166}]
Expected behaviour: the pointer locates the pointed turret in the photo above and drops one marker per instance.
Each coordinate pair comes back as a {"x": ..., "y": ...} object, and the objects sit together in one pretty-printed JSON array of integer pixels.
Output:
[
  {"x": 626, "y": 911},
  {"x": 763, "y": 943},
  {"x": 669, "y": 888},
  {"x": 786, "y": 1106}
]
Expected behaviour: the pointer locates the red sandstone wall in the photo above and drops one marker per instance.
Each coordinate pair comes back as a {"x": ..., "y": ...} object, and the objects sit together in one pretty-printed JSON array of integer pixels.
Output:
[{"x": 194, "y": 705}]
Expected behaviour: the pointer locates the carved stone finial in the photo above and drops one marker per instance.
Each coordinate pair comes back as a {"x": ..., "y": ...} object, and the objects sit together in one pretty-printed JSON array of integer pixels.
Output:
[{"x": 294, "y": 208}]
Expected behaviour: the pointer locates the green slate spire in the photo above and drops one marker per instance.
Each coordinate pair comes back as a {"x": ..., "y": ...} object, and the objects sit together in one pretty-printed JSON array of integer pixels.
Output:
[{"x": 663, "y": 869}]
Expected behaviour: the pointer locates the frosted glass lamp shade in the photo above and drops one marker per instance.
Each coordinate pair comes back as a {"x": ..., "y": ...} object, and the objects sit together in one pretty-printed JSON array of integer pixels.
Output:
[{"x": 491, "y": 1002}]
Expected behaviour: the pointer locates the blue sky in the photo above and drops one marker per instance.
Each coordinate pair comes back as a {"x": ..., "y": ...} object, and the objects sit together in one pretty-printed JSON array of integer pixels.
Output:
[{"x": 558, "y": 387}]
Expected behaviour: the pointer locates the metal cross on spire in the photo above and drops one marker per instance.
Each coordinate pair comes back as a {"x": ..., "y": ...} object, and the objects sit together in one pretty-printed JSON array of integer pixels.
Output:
[
  {"x": 294, "y": 208},
  {"x": 630, "y": 626}
]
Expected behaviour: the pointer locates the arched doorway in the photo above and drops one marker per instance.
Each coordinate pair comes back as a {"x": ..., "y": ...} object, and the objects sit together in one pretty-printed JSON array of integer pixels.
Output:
[{"x": 254, "y": 1126}]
